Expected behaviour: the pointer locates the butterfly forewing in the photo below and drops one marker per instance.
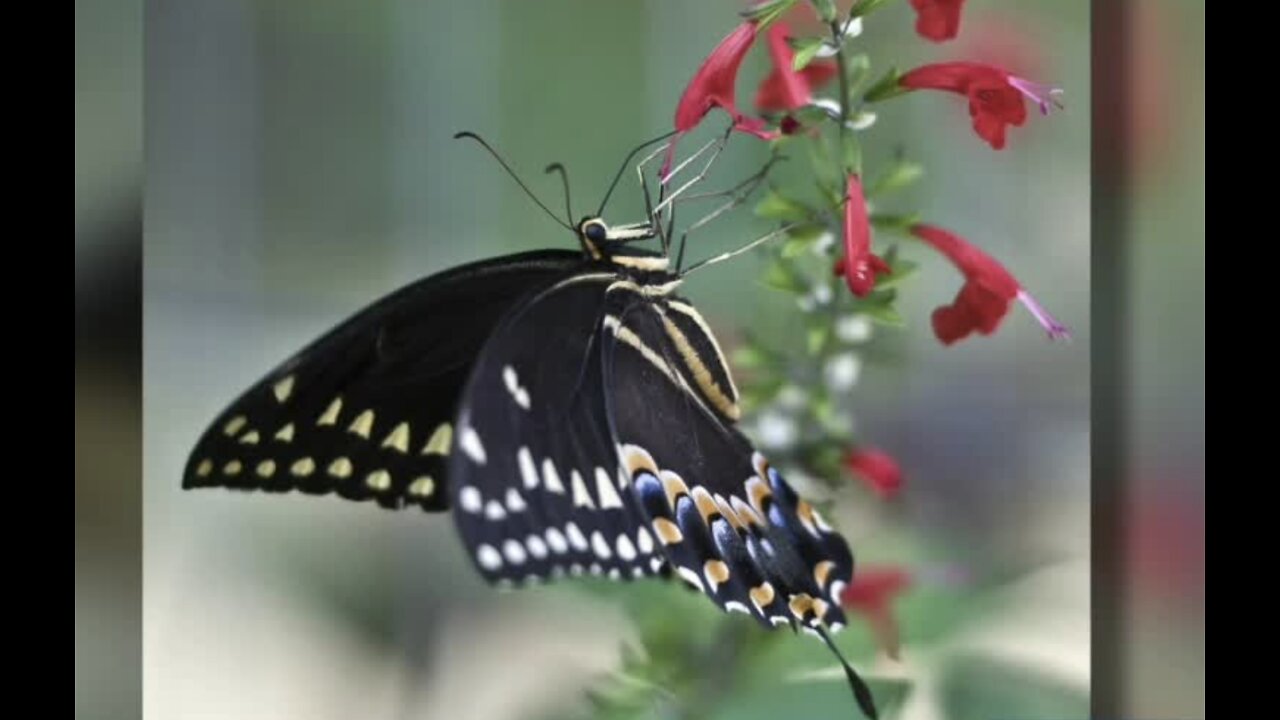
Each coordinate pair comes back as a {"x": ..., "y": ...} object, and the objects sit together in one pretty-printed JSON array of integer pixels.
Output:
[
  {"x": 367, "y": 410},
  {"x": 728, "y": 522},
  {"x": 536, "y": 483}
]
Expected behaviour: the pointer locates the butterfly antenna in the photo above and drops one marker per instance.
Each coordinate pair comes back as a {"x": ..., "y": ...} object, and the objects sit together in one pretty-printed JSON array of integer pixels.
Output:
[
  {"x": 512, "y": 173},
  {"x": 625, "y": 164},
  {"x": 861, "y": 692},
  {"x": 564, "y": 180}
]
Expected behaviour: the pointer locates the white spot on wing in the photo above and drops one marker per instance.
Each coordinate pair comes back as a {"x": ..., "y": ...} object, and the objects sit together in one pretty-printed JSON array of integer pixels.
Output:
[
  {"x": 470, "y": 500},
  {"x": 626, "y": 550},
  {"x": 600, "y": 546},
  {"x": 537, "y": 547},
  {"x": 550, "y": 477},
  {"x": 690, "y": 577},
  {"x": 515, "y": 503},
  {"x": 735, "y": 606},
  {"x": 655, "y": 564},
  {"x": 283, "y": 388},
  {"x": 644, "y": 540},
  {"x": 555, "y": 539},
  {"x": 493, "y": 511},
  {"x": 528, "y": 471},
  {"x": 514, "y": 552},
  {"x": 576, "y": 538},
  {"x": 512, "y": 381},
  {"x": 470, "y": 443},
  {"x": 604, "y": 488},
  {"x": 581, "y": 498},
  {"x": 488, "y": 557}
]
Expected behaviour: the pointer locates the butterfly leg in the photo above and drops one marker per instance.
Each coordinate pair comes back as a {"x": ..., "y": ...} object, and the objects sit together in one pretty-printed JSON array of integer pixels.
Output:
[
  {"x": 737, "y": 195},
  {"x": 716, "y": 146}
]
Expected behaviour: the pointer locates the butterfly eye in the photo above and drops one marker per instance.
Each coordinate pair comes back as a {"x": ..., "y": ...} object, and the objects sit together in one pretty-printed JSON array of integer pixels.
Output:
[{"x": 595, "y": 232}]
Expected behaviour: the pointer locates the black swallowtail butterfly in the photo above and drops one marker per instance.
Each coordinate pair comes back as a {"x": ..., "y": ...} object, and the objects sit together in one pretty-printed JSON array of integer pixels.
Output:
[{"x": 570, "y": 407}]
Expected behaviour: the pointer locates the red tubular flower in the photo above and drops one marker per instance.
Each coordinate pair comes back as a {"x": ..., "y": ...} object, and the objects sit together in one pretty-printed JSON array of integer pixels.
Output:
[
  {"x": 995, "y": 96},
  {"x": 988, "y": 290},
  {"x": 871, "y": 594},
  {"x": 712, "y": 86},
  {"x": 785, "y": 89},
  {"x": 859, "y": 265},
  {"x": 877, "y": 469},
  {"x": 937, "y": 20}
]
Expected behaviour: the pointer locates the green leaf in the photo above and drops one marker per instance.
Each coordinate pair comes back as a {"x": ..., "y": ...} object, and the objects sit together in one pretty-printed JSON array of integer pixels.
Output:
[
  {"x": 886, "y": 87},
  {"x": 750, "y": 357},
  {"x": 826, "y": 9},
  {"x": 901, "y": 175},
  {"x": 899, "y": 271},
  {"x": 778, "y": 277},
  {"x": 858, "y": 67},
  {"x": 806, "y": 51},
  {"x": 894, "y": 223},
  {"x": 865, "y": 8},
  {"x": 765, "y": 13},
  {"x": 817, "y": 338},
  {"x": 776, "y": 207}
]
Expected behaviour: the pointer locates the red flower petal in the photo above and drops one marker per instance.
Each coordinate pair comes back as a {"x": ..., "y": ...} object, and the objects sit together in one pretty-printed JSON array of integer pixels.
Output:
[
  {"x": 937, "y": 20},
  {"x": 984, "y": 299},
  {"x": 785, "y": 89},
  {"x": 871, "y": 594},
  {"x": 996, "y": 99},
  {"x": 859, "y": 266},
  {"x": 877, "y": 469},
  {"x": 713, "y": 84}
]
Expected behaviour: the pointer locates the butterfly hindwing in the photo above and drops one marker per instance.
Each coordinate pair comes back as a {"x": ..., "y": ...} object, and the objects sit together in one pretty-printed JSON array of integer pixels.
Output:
[
  {"x": 728, "y": 522},
  {"x": 366, "y": 411},
  {"x": 536, "y": 482}
]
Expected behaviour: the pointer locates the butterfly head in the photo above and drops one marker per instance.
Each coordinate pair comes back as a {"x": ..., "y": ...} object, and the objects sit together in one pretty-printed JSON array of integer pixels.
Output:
[{"x": 602, "y": 242}]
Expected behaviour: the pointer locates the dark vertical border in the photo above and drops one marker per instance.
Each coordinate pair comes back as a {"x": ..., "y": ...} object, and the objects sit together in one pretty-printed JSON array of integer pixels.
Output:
[
  {"x": 108, "y": 361},
  {"x": 1109, "y": 317}
]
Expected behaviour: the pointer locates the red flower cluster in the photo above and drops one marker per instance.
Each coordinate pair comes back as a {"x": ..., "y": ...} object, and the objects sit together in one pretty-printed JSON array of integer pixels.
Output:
[
  {"x": 996, "y": 101},
  {"x": 714, "y": 85}
]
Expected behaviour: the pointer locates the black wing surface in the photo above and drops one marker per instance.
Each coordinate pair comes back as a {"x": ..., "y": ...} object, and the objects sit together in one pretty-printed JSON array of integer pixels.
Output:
[{"x": 366, "y": 410}]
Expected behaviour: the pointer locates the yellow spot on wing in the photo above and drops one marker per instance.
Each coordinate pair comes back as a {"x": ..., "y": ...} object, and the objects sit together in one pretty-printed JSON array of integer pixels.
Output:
[
  {"x": 805, "y": 511},
  {"x": 232, "y": 467},
  {"x": 249, "y": 438},
  {"x": 341, "y": 468},
  {"x": 674, "y": 485},
  {"x": 362, "y": 425},
  {"x": 761, "y": 596},
  {"x": 398, "y": 439},
  {"x": 757, "y": 493},
  {"x": 800, "y": 604},
  {"x": 303, "y": 467},
  {"x": 285, "y": 434},
  {"x": 423, "y": 486},
  {"x": 378, "y": 480},
  {"x": 283, "y": 388},
  {"x": 204, "y": 468},
  {"x": 440, "y": 440},
  {"x": 706, "y": 505},
  {"x": 822, "y": 571},
  {"x": 667, "y": 531},
  {"x": 820, "y": 608},
  {"x": 717, "y": 573},
  {"x": 330, "y": 414},
  {"x": 233, "y": 425},
  {"x": 266, "y": 468}
]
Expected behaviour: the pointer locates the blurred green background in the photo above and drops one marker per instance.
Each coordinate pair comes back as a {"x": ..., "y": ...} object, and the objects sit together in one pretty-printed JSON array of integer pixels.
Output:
[{"x": 299, "y": 164}]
